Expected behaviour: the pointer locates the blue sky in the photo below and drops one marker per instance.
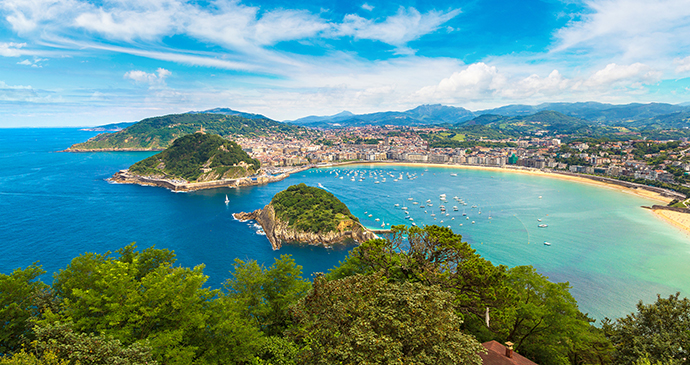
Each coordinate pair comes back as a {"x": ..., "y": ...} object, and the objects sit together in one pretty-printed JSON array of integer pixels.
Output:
[{"x": 85, "y": 62}]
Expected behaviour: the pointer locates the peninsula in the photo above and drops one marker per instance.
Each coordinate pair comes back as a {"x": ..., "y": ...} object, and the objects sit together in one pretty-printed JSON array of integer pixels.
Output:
[
  {"x": 158, "y": 133},
  {"x": 310, "y": 215},
  {"x": 193, "y": 162}
]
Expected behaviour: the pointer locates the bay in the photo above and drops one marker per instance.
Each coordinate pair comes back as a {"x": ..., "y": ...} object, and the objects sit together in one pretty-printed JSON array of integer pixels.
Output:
[{"x": 55, "y": 206}]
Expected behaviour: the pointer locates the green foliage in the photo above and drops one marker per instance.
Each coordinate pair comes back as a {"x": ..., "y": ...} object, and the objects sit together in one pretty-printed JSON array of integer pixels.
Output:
[
  {"x": 366, "y": 320},
  {"x": 189, "y": 154},
  {"x": 17, "y": 293},
  {"x": 310, "y": 209},
  {"x": 264, "y": 295},
  {"x": 545, "y": 323},
  {"x": 28, "y": 358},
  {"x": 141, "y": 296},
  {"x": 541, "y": 317},
  {"x": 657, "y": 332},
  {"x": 432, "y": 255},
  {"x": 277, "y": 351},
  {"x": 159, "y": 132},
  {"x": 82, "y": 348}
]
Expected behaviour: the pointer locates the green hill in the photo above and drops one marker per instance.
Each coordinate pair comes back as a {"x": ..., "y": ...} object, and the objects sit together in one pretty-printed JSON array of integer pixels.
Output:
[
  {"x": 198, "y": 157},
  {"x": 311, "y": 209},
  {"x": 158, "y": 133}
]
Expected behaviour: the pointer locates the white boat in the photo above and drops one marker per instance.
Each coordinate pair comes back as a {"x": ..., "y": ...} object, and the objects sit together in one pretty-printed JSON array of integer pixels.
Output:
[
  {"x": 538, "y": 219},
  {"x": 226, "y": 199},
  {"x": 547, "y": 243},
  {"x": 371, "y": 215},
  {"x": 397, "y": 205},
  {"x": 543, "y": 225},
  {"x": 410, "y": 199},
  {"x": 376, "y": 182},
  {"x": 442, "y": 196},
  {"x": 472, "y": 222},
  {"x": 453, "y": 174},
  {"x": 433, "y": 215},
  {"x": 455, "y": 209},
  {"x": 377, "y": 219},
  {"x": 404, "y": 208}
]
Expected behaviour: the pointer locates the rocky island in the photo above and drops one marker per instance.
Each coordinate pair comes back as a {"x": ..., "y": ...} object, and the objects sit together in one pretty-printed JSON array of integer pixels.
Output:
[
  {"x": 310, "y": 215},
  {"x": 196, "y": 161}
]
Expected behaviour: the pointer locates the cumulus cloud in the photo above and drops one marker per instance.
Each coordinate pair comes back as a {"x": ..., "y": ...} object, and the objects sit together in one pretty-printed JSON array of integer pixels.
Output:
[
  {"x": 479, "y": 81},
  {"x": 367, "y": 7},
  {"x": 154, "y": 80},
  {"x": 476, "y": 81},
  {"x": 614, "y": 74}
]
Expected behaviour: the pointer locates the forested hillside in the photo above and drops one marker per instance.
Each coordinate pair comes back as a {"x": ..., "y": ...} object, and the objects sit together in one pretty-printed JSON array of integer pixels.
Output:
[
  {"x": 158, "y": 133},
  {"x": 198, "y": 157}
]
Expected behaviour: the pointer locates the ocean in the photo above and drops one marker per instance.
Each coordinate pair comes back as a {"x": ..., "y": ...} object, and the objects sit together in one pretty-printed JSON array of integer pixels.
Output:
[{"x": 55, "y": 206}]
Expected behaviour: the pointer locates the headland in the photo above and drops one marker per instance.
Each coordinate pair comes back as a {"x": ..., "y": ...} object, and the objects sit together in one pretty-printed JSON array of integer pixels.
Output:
[{"x": 307, "y": 215}]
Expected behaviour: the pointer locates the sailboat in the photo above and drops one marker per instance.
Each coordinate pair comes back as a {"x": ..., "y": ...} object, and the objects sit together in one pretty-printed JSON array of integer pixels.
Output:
[{"x": 226, "y": 199}]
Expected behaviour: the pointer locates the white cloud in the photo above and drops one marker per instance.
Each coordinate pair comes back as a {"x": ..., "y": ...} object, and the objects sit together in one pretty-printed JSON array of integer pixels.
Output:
[
  {"x": 399, "y": 29},
  {"x": 683, "y": 64},
  {"x": 477, "y": 81},
  {"x": 154, "y": 80},
  {"x": 11, "y": 49},
  {"x": 27, "y": 15},
  {"x": 36, "y": 63},
  {"x": 367, "y": 7},
  {"x": 614, "y": 74},
  {"x": 632, "y": 29}
]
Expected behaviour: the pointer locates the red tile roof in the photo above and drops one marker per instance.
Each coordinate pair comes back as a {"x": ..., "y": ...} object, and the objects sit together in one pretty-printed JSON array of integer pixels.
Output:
[{"x": 497, "y": 356}]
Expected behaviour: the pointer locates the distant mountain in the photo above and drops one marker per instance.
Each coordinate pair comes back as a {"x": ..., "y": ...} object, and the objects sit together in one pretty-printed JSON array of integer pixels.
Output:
[
  {"x": 226, "y": 111},
  {"x": 602, "y": 113},
  {"x": 593, "y": 111},
  {"x": 114, "y": 127},
  {"x": 546, "y": 120},
  {"x": 421, "y": 115},
  {"x": 678, "y": 120}
]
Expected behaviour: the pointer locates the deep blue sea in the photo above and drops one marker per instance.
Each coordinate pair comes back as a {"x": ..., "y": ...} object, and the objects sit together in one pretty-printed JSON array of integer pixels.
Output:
[{"x": 55, "y": 206}]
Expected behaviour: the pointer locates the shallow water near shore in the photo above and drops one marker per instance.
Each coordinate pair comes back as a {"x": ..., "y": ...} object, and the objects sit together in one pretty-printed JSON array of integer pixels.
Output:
[{"x": 55, "y": 206}]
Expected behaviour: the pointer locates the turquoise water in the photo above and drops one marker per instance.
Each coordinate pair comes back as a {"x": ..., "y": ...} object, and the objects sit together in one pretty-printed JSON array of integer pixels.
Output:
[{"x": 54, "y": 206}]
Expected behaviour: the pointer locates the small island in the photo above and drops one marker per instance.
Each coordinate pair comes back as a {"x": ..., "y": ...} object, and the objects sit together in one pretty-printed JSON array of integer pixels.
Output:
[
  {"x": 310, "y": 215},
  {"x": 196, "y": 161}
]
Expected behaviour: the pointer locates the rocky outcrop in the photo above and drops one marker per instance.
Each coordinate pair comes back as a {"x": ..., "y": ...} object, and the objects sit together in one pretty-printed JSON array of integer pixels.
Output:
[{"x": 279, "y": 233}]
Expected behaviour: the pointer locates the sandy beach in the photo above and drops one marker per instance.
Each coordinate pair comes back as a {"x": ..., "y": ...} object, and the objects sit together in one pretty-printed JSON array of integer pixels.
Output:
[{"x": 676, "y": 219}]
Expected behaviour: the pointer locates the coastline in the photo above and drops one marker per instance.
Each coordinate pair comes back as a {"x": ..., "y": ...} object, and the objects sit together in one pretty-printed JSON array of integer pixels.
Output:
[
  {"x": 125, "y": 177},
  {"x": 622, "y": 186},
  {"x": 676, "y": 219}
]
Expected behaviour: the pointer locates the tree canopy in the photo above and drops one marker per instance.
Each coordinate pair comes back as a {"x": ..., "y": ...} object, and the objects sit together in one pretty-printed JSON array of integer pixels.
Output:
[{"x": 311, "y": 209}]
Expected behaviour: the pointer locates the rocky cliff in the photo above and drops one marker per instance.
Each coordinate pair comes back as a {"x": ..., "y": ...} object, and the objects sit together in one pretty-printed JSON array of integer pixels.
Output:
[{"x": 278, "y": 231}]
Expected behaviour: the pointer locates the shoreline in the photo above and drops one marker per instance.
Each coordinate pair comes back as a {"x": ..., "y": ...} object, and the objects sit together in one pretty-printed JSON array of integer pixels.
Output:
[
  {"x": 644, "y": 191},
  {"x": 125, "y": 177},
  {"x": 677, "y": 218}
]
